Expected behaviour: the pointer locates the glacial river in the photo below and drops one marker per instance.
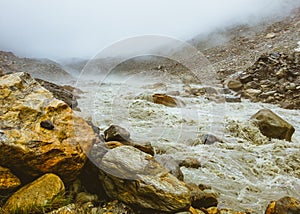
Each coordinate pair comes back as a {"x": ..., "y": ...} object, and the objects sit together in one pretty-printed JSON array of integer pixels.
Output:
[{"x": 246, "y": 170}]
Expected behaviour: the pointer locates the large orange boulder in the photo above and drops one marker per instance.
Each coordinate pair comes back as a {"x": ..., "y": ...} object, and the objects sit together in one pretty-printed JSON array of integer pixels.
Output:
[{"x": 38, "y": 133}]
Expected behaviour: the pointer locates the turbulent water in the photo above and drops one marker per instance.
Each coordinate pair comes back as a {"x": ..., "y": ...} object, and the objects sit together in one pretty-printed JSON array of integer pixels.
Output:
[{"x": 246, "y": 170}]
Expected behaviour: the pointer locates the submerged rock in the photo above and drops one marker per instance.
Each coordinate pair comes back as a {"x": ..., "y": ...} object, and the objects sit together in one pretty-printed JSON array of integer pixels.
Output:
[
  {"x": 137, "y": 179},
  {"x": 29, "y": 145},
  {"x": 273, "y": 126},
  {"x": 35, "y": 195},
  {"x": 8, "y": 181},
  {"x": 284, "y": 205},
  {"x": 167, "y": 100}
]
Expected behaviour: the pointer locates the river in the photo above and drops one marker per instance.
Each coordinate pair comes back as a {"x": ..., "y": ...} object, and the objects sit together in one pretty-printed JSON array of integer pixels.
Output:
[{"x": 246, "y": 170}]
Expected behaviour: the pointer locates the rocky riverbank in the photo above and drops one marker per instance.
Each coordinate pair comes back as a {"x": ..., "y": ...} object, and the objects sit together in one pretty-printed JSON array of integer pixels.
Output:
[{"x": 44, "y": 148}]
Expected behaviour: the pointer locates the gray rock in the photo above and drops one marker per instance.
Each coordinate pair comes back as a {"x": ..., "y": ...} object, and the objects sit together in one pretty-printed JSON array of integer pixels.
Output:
[
  {"x": 116, "y": 133},
  {"x": 137, "y": 179}
]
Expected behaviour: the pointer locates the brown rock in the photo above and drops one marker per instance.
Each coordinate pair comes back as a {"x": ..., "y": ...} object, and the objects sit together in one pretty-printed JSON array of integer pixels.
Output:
[
  {"x": 36, "y": 194},
  {"x": 8, "y": 181},
  {"x": 166, "y": 100},
  {"x": 284, "y": 205},
  {"x": 32, "y": 149},
  {"x": 143, "y": 146},
  {"x": 273, "y": 126}
]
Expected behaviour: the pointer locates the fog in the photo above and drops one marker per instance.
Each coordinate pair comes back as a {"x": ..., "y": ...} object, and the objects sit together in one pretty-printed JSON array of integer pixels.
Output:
[{"x": 59, "y": 29}]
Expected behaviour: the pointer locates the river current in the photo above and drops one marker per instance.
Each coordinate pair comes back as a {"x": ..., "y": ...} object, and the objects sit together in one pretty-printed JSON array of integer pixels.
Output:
[{"x": 246, "y": 169}]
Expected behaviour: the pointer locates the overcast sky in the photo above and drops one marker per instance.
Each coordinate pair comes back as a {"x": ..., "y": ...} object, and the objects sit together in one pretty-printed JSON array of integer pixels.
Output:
[{"x": 81, "y": 28}]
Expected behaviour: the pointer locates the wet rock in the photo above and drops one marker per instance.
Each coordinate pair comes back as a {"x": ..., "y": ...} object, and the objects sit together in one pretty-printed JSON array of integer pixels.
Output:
[
  {"x": 143, "y": 146},
  {"x": 118, "y": 136},
  {"x": 273, "y": 126},
  {"x": 166, "y": 100},
  {"x": 202, "y": 199},
  {"x": 235, "y": 85},
  {"x": 284, "y": 205},
  {"x": 59, "y": 92},
  {"x": 190, "y": 163},
  {"x": 8, "y": 181},
  {"x": 137, "y": 179},
  {"x": 31, "y": 150},
  {"x": 36, "y": 194},
  {"x": 209, "y": 139},
  {"x": 116, "y": 133},
  {"x": 171, "y": 164}
]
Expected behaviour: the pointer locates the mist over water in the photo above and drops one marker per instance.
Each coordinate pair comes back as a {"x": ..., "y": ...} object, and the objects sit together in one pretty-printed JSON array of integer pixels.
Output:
[{"x": 63, "y": 29}]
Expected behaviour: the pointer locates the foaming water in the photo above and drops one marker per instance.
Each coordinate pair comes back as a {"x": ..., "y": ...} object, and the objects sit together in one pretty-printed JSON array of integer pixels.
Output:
[{"x": 246, "y": 170}]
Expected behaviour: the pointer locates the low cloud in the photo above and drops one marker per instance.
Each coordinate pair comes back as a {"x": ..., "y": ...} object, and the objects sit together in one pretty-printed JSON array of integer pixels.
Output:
[{"x": 65, "y": 28}]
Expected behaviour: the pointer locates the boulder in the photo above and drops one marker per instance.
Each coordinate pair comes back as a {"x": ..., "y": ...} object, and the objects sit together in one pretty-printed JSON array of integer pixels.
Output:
[
  {"x": 166, "y": 100},
  {"x": 273, "y": 126},
  {"x": 137, "y": 179},
  {"x": 284, "y": 205},
  {"x": 35, "y": 195},
  {"x": 38, "y": 133},
  {"x": 8, "y": 181}
]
